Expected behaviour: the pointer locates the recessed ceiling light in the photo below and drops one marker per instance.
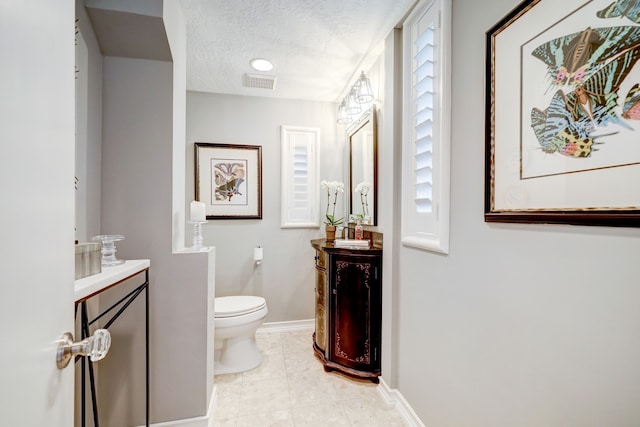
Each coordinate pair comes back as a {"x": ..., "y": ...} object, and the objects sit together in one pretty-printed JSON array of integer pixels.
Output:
[{"x": 260, "y": 64}]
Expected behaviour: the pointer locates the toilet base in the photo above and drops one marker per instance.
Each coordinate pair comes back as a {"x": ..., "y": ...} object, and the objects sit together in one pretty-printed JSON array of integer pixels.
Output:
[{"x": 238, "y": 354}]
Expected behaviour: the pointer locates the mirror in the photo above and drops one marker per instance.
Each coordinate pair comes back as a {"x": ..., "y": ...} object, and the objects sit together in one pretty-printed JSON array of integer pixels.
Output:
[{"x": 363, "y": 165}]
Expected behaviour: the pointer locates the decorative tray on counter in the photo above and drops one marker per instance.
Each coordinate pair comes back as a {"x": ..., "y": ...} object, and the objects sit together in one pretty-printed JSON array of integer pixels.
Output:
[{"x": 351, "y": 243}]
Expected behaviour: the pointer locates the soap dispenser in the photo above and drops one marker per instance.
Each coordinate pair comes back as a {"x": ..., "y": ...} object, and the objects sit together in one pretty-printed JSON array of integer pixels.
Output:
[{"x": 359, "y": 232}]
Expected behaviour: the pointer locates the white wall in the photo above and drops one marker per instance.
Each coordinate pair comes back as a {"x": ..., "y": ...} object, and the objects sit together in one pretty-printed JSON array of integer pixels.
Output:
[
  {"x": 137, "y": 202},
  {"x": 88, "y": 161},
  {"x": 520, "y": 325},
  {"x": 175, "y": 27},
  {"x": 286, "y": 277},
  {"x": 88, "y": 156},
  {"x": 389, "y": 155}
]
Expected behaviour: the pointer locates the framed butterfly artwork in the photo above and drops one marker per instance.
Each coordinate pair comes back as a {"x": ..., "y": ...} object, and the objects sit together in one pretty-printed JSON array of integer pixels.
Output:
[
  {"x": 562, "y": 114},
  {"x": 228, "y": 180}
]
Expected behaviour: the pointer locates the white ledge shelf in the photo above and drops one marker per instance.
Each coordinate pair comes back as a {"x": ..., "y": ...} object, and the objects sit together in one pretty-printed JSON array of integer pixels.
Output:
[{"x": 110, "y": 276}]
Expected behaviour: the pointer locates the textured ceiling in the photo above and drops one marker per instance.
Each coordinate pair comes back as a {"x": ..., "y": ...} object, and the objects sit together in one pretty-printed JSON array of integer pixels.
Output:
[{"x": 317, "y": 46}]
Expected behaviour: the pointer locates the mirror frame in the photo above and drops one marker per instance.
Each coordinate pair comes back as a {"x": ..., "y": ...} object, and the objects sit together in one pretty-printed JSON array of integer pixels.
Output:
[{"x": 367, "y": 117}]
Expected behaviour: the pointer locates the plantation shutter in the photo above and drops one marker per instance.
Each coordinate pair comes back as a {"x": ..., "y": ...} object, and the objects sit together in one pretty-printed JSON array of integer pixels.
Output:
[
  {"x": 300, "y": 195},
  {"x": 299, "y": 177},
  {"x": 426, "y": 145},
  {"x": 423, "y": 83}
]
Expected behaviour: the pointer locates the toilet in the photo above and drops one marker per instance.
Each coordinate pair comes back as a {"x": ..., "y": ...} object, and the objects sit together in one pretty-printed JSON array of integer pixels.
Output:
[{"x": 236, "y": 320}]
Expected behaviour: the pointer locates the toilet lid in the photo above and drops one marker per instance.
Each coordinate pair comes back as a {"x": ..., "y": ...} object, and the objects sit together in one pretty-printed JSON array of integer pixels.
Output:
[{"x": 238, "y": 305}]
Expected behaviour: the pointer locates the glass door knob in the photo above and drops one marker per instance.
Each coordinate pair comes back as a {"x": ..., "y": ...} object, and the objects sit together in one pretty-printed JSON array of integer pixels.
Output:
[{"x": 96, "y": 347}]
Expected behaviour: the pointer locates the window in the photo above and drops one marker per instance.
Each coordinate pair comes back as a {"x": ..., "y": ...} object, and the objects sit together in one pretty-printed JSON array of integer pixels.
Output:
[
  {"x": 426, "y": 123},
  {"x": 299, "y": 177}
]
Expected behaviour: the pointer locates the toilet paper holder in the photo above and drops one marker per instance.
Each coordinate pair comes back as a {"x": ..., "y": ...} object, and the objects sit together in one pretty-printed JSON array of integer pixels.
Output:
[{"x": 257, "y": 255}]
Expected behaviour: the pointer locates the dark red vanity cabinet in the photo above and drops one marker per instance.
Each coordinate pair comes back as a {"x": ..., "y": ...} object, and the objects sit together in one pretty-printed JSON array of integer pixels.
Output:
[{"x": 348, "y": 309}]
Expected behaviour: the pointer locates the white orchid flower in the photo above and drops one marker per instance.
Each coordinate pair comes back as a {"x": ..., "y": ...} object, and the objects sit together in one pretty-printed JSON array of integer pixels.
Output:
[
  {"x": 363, "y": 187},
  {"x": 333, "y": 188}
]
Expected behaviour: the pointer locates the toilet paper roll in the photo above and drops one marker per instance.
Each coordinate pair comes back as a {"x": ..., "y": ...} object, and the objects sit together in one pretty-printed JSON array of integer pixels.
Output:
[{"x": 257, "y": 254}]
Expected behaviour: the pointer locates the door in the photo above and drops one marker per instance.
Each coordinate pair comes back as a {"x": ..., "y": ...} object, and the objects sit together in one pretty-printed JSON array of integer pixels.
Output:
[
  {"x": 355, "y": 333},
  {"x": 36, "y": 210}
]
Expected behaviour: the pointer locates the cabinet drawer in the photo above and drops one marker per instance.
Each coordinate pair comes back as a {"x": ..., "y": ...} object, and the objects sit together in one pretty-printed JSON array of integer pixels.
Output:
[{"x": 321, "y": 259}]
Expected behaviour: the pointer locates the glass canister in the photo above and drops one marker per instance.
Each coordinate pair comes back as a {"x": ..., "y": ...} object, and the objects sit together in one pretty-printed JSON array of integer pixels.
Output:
[{"x": 88, "y": 259}]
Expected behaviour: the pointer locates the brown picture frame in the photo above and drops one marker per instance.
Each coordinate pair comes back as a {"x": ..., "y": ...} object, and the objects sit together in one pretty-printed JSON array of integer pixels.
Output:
[
  {"x": 228, "y": 179},
  {"x": 589, "y": 193}
]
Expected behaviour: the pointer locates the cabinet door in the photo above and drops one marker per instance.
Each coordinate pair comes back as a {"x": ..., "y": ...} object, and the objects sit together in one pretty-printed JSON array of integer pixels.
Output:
[
  {"x": 355, "y": 312},
  {"x": 321, "y": 308}
]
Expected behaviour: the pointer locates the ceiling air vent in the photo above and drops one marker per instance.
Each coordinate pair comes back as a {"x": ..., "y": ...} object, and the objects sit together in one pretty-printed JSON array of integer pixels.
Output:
[{"x": 259, "y": 81}]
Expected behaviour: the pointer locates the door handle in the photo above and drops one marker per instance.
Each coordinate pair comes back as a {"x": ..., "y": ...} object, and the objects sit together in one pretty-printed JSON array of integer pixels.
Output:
[{"x": 96, "y": 347}]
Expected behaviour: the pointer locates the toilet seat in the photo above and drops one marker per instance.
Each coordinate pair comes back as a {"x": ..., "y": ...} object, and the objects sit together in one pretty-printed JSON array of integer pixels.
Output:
[{"x": 238, "y": 305}]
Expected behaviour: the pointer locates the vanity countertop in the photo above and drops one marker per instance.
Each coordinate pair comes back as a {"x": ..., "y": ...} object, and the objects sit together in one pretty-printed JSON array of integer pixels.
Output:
[
  {"x": 94, "y": 284},
  {"x": 329, "y": 246}
]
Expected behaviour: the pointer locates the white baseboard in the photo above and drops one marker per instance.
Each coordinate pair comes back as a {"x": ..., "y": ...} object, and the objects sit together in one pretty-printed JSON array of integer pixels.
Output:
[
  {"x": 291, "y": 326},
  {"x": 394, "y": 397},
  {"x": 204, "y": 421}
]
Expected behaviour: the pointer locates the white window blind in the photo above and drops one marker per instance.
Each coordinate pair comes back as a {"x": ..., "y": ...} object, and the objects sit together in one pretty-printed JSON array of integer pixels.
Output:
[
  {"x": 299, "y": 177},
  {"x": 423, "y": 77},
  {"x": 300, "y": 190},
  {"x": 425, "y": 160}
]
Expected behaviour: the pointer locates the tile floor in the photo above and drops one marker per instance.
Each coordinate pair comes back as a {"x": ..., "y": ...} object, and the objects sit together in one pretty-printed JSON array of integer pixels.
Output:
[{"x": 291, "y": 388}]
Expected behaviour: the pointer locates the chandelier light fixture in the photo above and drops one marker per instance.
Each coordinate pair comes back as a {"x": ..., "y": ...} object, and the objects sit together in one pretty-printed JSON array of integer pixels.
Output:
[
  {"x": 364, "y": 92},
  {"x": 353, "y": 104},
  {"x": 343, "y": 117}
]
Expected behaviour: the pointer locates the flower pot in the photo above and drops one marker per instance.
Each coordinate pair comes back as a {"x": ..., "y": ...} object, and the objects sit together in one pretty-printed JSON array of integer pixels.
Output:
[{"x": 331, "y": 232}]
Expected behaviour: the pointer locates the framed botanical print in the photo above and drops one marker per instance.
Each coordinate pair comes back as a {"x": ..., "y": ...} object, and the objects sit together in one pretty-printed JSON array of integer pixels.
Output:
[{"x": 228, "y": 179}]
